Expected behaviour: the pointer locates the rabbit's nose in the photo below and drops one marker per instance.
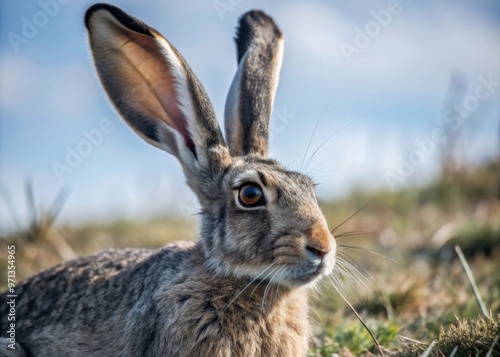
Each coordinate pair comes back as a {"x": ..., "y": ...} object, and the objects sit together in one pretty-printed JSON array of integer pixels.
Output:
[
  {"x": 316, "y": 253},
  {"x": 319, "y": 240}
]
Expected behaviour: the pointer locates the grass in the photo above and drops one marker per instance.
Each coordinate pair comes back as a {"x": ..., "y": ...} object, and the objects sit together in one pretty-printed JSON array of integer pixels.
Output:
[
  {"x": 396, "y": 264},
  {"x": 466, "y": 337}
]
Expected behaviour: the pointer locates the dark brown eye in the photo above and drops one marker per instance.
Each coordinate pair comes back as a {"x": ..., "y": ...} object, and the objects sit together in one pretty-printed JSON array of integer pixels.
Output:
[{"x": 250, "y": 195}]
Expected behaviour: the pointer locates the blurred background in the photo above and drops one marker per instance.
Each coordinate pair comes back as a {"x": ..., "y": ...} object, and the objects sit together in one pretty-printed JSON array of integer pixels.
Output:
[
  {"x": 393, "y": 106},
  {"x": 378, "y": 92}
]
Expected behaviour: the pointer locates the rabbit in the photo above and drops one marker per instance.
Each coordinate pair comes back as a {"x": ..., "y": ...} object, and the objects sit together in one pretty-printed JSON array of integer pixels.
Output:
[{"x": 242, "y": 288}]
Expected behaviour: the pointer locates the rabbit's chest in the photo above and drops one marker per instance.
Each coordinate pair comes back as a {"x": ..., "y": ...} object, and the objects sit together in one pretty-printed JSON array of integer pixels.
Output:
[{"x": 210, "y": 324}]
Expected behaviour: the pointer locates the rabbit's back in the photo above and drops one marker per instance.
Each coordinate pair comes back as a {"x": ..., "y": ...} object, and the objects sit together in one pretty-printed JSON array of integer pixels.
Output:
[{"x": 94, "y": 297}]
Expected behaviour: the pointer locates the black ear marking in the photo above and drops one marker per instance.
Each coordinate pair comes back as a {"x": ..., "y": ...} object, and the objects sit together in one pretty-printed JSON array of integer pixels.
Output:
[{"x": 127, "y": 20}]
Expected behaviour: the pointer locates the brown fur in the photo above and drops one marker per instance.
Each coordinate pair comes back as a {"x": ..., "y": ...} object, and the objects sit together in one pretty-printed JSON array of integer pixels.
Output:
[{"x": 242, "y": 289}]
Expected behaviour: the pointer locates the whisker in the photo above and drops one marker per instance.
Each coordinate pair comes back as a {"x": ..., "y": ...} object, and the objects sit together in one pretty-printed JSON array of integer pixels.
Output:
[
  {"x": 355, "y": 270},
  {"x": 364, "y": 250},
  {"x": 318, "y": 169},
  {"x": 316, "y": 127},
  {"x": 354, "y": 233},
  {"x": 336, "y": 281},
  {"x": 277, "y": 288},
  {"x": 355, "y": 213},
  {"x": 341, "y": 268},
  {"x": 250, "y": 283},
  {"x": 311, "y": 161},
  {"x": 264, "y": 279},
  {"x": 377, "y": 289},
  {"x": 348, "y": 269},
  {"x": 315, "y": 312},
  {"x": 336, "y": 132},
  {"x": 270, "y": 285},
  {"x": 347, "y": 272}
]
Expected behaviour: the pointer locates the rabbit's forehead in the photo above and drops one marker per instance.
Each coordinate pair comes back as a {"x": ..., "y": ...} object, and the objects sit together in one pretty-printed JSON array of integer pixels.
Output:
[{"x": 269, "y": 174}]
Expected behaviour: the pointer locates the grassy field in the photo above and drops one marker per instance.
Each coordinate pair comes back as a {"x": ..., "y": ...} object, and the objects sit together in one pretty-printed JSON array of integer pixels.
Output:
[{"x": 397, "y": 265}]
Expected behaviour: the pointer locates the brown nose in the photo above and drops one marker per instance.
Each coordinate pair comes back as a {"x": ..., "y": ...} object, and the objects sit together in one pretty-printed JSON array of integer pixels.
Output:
[
  {"x": 319, "y": 253},
  {"x": 319, "y": 240}
]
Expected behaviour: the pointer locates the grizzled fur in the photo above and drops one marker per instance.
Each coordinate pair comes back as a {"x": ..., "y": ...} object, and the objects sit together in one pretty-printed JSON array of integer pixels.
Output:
[
  {"x": 151, "y": 303},
  {"x": 241, "y": 290}
]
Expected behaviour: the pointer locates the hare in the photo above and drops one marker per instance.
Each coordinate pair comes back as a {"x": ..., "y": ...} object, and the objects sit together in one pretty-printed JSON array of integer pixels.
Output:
[{"x": 242, "y": 288}]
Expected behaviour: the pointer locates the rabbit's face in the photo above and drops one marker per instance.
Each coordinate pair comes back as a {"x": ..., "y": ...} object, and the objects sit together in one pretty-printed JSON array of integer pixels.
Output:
[{"x": 267, "y": 224}]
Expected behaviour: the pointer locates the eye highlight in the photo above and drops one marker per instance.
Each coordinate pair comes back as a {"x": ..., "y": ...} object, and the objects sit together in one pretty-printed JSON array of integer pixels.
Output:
[{"x": 251, "y": 195}]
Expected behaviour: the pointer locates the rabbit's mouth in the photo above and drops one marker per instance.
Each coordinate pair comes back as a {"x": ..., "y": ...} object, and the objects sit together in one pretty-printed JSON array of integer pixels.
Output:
[
  {"x": 308, "y": 277},
  {"x": 304, "y": 275}
]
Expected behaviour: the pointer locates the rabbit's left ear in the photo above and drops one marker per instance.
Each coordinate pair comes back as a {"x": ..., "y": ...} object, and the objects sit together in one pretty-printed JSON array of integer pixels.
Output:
[{"x": 250, "y": 101}]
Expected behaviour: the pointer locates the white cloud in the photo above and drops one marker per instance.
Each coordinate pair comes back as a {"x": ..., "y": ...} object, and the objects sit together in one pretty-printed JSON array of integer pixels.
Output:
[{"x": 415, "y": 53}]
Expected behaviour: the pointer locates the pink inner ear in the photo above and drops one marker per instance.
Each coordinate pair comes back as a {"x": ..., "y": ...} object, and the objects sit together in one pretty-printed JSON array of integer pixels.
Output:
[
  {"x": 175, "y": 117},
  {"x": 150, "y": 61}
]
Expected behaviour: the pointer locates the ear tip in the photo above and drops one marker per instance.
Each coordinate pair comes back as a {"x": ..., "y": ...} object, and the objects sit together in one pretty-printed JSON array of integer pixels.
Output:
[
  {"x": 125, "y": 19},
  {"x": 253, "y": 25},
  {"x": 96, "y": 7},
  {"x": 258, "y": 20}
]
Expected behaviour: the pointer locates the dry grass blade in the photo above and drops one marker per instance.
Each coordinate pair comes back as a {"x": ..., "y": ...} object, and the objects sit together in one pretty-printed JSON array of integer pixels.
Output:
[
  {"x": 30, "y": 200},
  {"x": 472, "y": 281},
  {"x": 41, "y": 231},
  {"x": 429, "y": 349},
  {"x": 406, "y": 338},
  {"x": 453, "y": 352},
  {"x": 56, "y": 206},
  {"x": 490, "y": 351},
  {"x": 375, "y": 341}
]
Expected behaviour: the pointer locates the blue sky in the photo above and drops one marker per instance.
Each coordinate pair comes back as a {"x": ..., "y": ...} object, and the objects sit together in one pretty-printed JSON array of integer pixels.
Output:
[{"x": 378, "y": 82}]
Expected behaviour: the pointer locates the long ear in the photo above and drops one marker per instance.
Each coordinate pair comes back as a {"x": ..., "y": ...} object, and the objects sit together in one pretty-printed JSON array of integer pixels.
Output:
[
  {"x": 249, "y": 103},
  {"x": 152, "y": 87}
]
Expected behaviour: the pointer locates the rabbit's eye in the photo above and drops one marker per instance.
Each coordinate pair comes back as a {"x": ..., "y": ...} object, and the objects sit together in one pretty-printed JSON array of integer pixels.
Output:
[{"x": 251, "y": 195}]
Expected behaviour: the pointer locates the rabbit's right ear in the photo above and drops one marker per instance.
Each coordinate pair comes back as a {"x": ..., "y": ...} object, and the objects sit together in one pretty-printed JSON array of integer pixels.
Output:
[
  {"x": 152, "y": 87},
  {"x": 250, "y": 100}
]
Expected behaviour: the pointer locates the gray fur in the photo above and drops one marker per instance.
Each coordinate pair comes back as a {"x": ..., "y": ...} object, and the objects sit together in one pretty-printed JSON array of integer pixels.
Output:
[
  {"x": 241, "y": 290},
  {"x": 249, "y": 104}
]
